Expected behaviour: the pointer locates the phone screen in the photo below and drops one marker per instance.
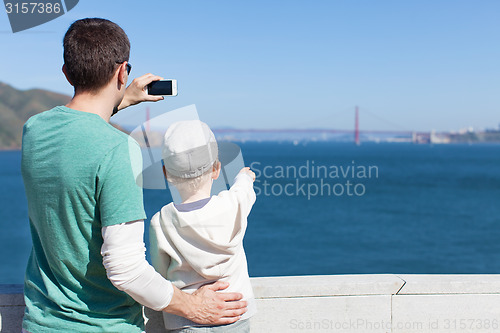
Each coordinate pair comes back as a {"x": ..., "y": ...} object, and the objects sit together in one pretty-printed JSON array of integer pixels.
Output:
[{"x": 160, "y": 88}]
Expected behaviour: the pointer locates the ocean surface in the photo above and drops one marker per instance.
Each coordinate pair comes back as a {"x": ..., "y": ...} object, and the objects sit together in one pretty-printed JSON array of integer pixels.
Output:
[{"x": 337, "y": 208}]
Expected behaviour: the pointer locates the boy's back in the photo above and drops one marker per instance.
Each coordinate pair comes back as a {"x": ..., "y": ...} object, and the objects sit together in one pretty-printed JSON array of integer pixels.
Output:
[
  {"x": 200, "y": 240},
  {"x": 197, "y": 243}
]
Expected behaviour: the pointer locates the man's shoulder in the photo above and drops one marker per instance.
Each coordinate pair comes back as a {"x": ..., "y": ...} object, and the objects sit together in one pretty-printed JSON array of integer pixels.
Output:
[
  {"x": 110, "y": 137},
  {"x": 83, "y": 132},
  {"x": 37, "y": 116},
  {"x": 66, "y": 120}
]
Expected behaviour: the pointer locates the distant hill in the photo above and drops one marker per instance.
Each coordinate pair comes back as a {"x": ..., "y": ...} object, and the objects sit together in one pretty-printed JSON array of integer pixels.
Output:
[{"x": 16, "y": 106}]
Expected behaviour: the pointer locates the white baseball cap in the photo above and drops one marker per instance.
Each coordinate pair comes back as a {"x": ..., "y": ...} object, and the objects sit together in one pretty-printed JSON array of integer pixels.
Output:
[{"x": 189, "y": 149}]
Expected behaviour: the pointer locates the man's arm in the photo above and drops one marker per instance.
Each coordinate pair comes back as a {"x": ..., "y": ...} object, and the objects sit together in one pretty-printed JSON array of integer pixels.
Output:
[
  {"x": 136, "y": 93},
  {"x": 124, "y": 258}
]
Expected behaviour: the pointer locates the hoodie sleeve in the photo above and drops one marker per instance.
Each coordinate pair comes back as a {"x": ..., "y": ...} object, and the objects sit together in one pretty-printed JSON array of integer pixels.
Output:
[{"x": 244, "y": 192}]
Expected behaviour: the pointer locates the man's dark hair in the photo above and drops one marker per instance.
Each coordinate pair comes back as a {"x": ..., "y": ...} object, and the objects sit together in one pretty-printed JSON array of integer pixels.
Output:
[{"x": 93, "y": 48}]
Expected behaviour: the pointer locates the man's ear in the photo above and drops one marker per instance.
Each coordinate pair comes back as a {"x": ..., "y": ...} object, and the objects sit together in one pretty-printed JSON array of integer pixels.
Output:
[
  {"x": 122, "y": 74},
  {"x": 65, "y": 71}
]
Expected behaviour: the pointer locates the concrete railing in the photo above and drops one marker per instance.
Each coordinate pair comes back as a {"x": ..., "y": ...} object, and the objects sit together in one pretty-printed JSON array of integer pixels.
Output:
[{"x": 348, "y": 303}]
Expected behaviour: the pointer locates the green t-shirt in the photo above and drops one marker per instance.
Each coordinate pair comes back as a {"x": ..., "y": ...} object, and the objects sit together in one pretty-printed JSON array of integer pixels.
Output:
[{"x": 79, "y": 177}]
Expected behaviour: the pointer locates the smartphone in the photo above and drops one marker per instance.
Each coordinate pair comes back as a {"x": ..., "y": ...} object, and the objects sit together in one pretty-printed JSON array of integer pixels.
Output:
[{"x": 163, "y": 88}]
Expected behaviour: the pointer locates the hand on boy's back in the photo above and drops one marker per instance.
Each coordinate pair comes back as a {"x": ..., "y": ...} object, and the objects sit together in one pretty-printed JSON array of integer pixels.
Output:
[
  {"x": 136, "y": 91},
  {"x": 217, "y": 308},
  {"x": 248, "y": 172}
]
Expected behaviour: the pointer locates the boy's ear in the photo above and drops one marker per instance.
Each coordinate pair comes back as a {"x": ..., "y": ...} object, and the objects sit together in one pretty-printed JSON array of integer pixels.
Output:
[
  {"x": 216, "y": 171},
  {"x": 65, "y": 71}
]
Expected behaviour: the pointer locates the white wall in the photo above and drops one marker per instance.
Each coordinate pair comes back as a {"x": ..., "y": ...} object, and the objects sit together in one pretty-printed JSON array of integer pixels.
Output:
[{"x": 350, "y": 303}]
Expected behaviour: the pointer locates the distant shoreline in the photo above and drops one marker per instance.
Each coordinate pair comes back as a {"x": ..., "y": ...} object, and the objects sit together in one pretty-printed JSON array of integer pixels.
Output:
[{"x": 476, "y": 143}]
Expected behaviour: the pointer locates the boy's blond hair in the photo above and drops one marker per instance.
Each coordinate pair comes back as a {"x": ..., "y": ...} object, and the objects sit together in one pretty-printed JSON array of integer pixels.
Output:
[{"x": 191, "y": 185}]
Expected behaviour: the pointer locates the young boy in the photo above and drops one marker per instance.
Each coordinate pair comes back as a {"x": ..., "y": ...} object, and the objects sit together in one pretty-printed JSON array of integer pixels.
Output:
[{"x": 200, "y": 240}]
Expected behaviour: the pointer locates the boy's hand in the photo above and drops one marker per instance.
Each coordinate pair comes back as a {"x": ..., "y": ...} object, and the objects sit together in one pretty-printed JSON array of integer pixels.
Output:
[
  {"x": 248, "y": 172},
  {"x": 136, "y": 91}
]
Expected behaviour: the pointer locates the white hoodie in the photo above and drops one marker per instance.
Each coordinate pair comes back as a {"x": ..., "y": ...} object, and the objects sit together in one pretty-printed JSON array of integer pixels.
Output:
[{"x": 193, "y": 248}]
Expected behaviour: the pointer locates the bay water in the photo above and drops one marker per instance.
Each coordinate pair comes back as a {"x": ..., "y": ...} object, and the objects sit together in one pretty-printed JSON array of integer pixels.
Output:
[{"x": 337, "y": 208}]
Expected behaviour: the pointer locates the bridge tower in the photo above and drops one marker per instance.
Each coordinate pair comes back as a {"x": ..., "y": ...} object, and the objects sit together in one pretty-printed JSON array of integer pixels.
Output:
[{"x": 356, "y": 127}]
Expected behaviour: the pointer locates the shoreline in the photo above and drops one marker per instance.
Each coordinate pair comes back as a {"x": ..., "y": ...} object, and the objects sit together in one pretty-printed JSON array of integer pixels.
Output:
[{"x": 487, "y": 143}]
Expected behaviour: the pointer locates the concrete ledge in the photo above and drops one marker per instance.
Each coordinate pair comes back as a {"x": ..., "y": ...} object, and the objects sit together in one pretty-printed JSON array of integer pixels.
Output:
[
  {"x": 347, "y": 303},
  {"x": 11, "y": 307},
  {"x": 11, "y": 294},
  {"x": 446, "y": 313},
  {"x": 315, "y": 314},
  {"x": 326, "y": 285},
  {"x": 450, "y": 284}
]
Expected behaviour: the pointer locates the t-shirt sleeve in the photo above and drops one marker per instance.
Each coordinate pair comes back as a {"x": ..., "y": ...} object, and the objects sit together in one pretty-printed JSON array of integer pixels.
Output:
[{"x": 119, "y": 197}]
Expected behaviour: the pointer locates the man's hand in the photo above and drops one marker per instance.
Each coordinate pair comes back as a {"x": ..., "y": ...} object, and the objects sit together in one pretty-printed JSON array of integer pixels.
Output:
[
  {"x": 207, "y": 306},
  {"x": 136, "y": 91}
]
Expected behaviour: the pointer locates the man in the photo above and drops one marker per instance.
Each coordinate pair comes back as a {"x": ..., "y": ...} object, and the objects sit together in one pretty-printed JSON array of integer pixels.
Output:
[{"x": 87, "y": 269}]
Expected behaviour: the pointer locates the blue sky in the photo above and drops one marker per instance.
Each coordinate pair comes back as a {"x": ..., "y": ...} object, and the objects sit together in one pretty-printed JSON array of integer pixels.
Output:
[{"x": 414, "y": 65}]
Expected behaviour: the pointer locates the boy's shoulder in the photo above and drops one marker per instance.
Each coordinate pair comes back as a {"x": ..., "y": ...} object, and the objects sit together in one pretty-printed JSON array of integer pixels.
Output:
[
  {"x": 162, "y": 213},
  {"x": 216, "y": 207}
]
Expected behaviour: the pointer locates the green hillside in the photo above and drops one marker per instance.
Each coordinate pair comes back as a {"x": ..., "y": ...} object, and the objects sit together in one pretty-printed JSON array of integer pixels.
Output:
[{"x": 16, "y": 106}]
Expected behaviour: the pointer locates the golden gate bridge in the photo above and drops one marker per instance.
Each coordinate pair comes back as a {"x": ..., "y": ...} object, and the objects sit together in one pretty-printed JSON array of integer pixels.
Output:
[
  {"x": 357, "y": 133},
  {"x": 401, "y": 135}
]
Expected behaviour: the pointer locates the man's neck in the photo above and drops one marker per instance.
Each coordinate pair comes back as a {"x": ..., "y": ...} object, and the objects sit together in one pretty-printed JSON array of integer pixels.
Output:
[{"x": 98, "y": 103}]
